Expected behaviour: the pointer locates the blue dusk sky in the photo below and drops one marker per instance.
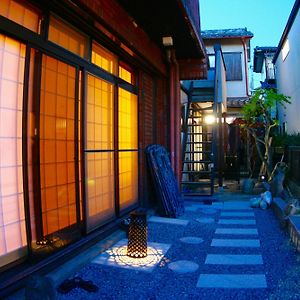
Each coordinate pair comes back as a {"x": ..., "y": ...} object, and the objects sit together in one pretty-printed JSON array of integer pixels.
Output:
[{"x": 266, "y": 19}]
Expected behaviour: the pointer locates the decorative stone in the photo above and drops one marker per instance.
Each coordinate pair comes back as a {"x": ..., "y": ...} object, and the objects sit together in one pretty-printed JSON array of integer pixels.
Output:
[
  {"x": 183, "y": 266},
  {"x": 191, "y": 240}
]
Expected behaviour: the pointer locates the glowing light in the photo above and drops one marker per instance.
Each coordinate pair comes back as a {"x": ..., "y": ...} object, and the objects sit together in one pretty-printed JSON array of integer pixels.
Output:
[
  {"x": 210, "y": 119},
  {"x": 117, "y": 256}
]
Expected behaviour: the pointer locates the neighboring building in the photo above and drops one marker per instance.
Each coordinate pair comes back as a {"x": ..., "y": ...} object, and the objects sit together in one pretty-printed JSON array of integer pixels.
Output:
[
  {"x": 85, "y": 87},
  {"x": 235, "y": 45},
  {"x": 263, "y": 64},
  {"x": 210, "y": 105},
  {"x": 287, "y": 62}
]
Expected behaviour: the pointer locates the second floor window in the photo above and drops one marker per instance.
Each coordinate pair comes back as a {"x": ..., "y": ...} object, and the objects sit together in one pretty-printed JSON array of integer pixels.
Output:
[{"x": 233, "y": 63}]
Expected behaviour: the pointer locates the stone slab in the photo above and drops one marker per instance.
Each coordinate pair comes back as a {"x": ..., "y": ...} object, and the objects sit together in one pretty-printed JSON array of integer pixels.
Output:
[
  {"x": 229, "y": 259},
  {"x": 116, "y": 256},
  {"x": 209, "y": 211},
  {"x": 237, "y": 205},
  {"x": 183, "y": 266},
  {"x": 236, "y": 222},
  {"x": 232, "y": 281},
  {"x": 205, "y": 220},
  {"x": 237, "y": 214},
  {"x": 191, "y": 208},
  {"x": 191, "y": 240},
  {"x": 172, "y": 221},
  {"x": 237, "y": 243},
  {"x": 237, "y": 231}
]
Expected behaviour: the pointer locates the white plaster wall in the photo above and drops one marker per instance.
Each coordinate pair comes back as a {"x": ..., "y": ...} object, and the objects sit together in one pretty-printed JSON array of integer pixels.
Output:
[
  {"x": 183, "y": 97},
  {"x": 288, "y": 79},
  {"x": 234, "y": 88}
]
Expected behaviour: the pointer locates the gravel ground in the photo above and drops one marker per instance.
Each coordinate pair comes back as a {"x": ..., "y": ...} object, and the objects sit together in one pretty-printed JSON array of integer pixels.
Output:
[{"x": 281, "y": 265}]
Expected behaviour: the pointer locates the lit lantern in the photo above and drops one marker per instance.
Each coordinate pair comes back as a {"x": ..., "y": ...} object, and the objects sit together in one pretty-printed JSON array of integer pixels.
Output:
[{"x": 137, "y": 235}]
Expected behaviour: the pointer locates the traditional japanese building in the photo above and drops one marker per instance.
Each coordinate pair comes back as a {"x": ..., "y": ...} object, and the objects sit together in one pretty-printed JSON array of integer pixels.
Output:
[{"x": 85, "y": 87}]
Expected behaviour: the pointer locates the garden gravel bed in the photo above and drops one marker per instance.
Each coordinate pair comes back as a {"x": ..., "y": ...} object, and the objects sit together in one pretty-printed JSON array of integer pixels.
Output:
[{"x": 281, "y": 265}]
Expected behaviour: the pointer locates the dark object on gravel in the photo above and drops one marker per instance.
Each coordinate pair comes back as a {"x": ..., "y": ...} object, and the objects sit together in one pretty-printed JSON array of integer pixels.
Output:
[
  {"x": 77, "y": 282},
  {"x": 165, "y": 184},
  {"x": 39, "y": 288}
]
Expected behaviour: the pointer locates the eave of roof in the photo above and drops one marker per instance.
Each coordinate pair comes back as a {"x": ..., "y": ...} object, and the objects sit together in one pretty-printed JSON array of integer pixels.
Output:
[
  {"x": 259, "y": 55},
  {"x": 226, "y": 33},
  {"x": 287, "y": 29}
]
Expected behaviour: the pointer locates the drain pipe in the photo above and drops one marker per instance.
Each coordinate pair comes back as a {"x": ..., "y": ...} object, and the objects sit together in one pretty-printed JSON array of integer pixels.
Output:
[{"x": 174, "y": 93}]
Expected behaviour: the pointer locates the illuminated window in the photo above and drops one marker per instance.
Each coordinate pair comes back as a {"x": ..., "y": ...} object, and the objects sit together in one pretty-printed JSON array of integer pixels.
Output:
[
  {"x": 20, "y": 14},
  {"x": 67, "y": 37},
  {"x": 126, "y": 73},
  {"x": 128, "y": 144},
  {"x": 12, "y": 216},
  {"x": 104, "y": 59},
  {"x": 100, "y": 204},
  {"x": 57, "y": 145},
  {"x": 285, "y": 49}
]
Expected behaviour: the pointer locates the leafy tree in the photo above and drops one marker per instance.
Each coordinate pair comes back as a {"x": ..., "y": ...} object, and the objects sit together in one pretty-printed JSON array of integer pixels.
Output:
[{"x": 259, "y": 122}]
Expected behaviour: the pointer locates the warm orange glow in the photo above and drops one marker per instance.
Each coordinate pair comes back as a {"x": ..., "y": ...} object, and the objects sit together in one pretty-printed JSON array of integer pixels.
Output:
[
  {"x": 100, "y": 204},
  {"x": 99, "y": 115},
  {"x": 12, "y": 216},
  {"x": 20, "y": 14},
  {"x": 104, "y": 59},
  {"x": 128, "y": 178},
  {"x": 128, "y": 140},
  {"x": 99, "y": 188},
  {"x": 57, "y": 142},
  {"x": 128, "y": 120},
  {"x": 126, "y": 74},
  {"x": 67, "y": 37}
]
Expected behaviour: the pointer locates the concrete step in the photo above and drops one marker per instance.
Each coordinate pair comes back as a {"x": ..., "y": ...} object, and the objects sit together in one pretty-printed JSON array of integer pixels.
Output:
[
  {"x": 229, "y": 259},
  {"x": 232, "y": 281},
  {"x": 236, "y": 243},
  {"x": 237, "y": 231},
  {"x": 237, "y": 222}
]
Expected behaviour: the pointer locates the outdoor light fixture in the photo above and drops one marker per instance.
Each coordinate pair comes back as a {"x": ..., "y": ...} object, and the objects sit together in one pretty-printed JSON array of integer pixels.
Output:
[
  {"x": 209, "y": 119},
  {"x": 167, "y": 41},
  {"x": 137, "y": 234}
]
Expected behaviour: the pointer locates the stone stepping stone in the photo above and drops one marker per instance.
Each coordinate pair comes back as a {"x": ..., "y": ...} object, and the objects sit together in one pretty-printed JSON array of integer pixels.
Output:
[
  {"x": 183, "y": 266},
  {"x": 236, "y": 243},
  {"x": 232, "y": 281},
  {"x": 172, "y": 221},
  {"x": 191, "y": 208},
  {"x": 228, "y": 259},
  {"x": 238, "y": 205},
  {"x": 209, "y": 211},
  {"x": 237, "y": 222},
  {"x": 237, "y": 214},
  {"x": 191, "y": 240},
  {"x": 237, "y": 231},
  {"x": 205, "y": 220}
]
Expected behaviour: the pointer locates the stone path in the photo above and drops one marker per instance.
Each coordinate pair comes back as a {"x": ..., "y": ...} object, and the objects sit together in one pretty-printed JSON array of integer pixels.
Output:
[
  {"x": 226, "y": 250},
  {"x": 236, "y": 213}
]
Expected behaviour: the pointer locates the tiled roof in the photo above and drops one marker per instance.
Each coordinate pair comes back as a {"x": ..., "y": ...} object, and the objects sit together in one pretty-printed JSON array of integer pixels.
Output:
[
  {"x": 226, "y": 33},
  {"x": 237, "y": 101}
]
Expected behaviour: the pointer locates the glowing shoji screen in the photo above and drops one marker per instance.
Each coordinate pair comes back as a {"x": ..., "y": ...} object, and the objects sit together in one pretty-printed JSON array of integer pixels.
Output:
[
  {"x": 100, "y": 204},
  {"x": 128, "y": 142},
  {"x": 12, "y": 216},
  {"x": 126, "y": 74},
  {"x": 20, "y": 14},
  {"x": 104, "y": 59},
  {"x": 57, "y": 145},
  {"x": 67, "y": 37}
]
